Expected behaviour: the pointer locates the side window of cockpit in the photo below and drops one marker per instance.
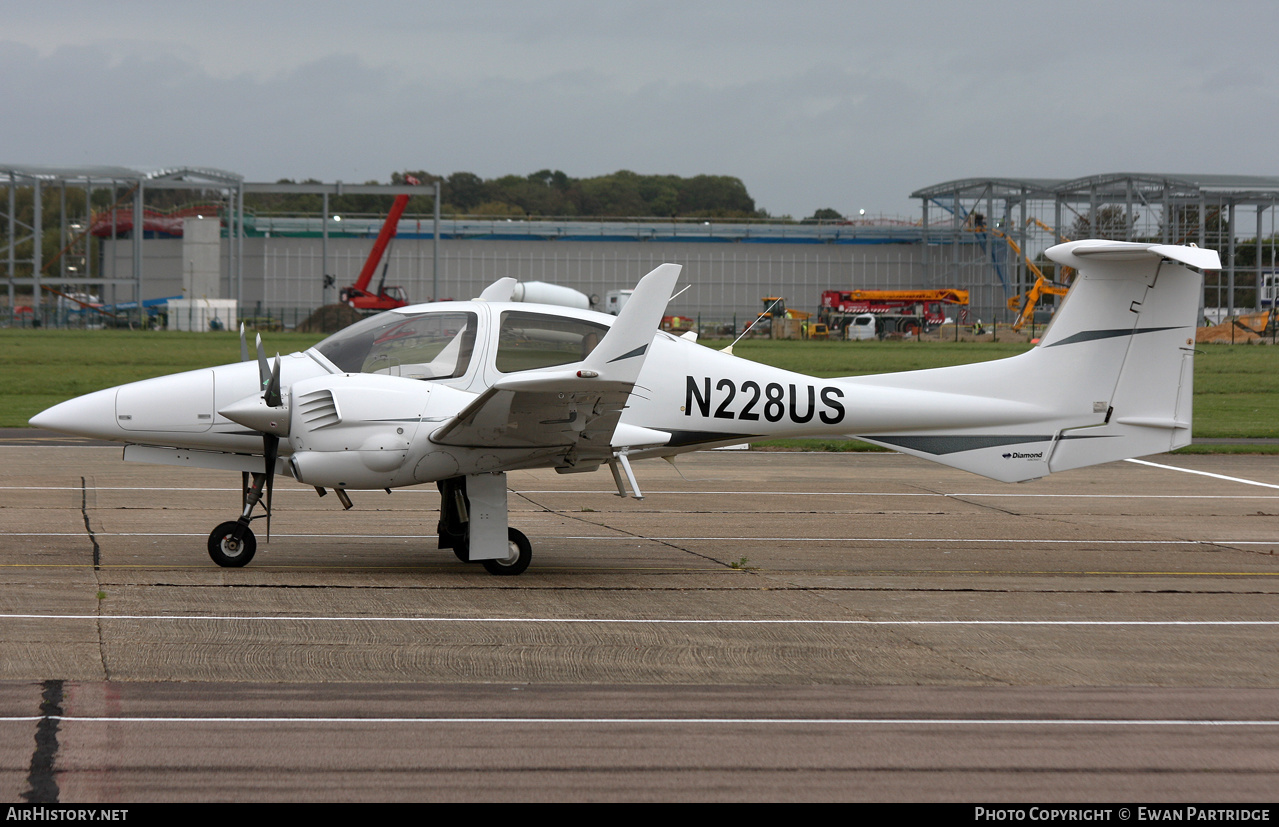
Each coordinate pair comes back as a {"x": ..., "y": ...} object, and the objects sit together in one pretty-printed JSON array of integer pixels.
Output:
[
  {"x": 429, "y": 346},
  {"x": 425, "y": 346},
  {"x": 531, "y": 340}
]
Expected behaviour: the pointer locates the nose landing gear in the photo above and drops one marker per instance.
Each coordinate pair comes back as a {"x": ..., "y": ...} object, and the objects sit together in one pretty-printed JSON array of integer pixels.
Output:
[
  {"x": 230, "y": 551},
  {"x": 232, "y": 544}
]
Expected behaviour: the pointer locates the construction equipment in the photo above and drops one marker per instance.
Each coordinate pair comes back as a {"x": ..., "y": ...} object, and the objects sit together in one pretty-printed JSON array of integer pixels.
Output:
[
  {"x": 905, "y": 312},
  {"x": 780, "y": 322},
  {"x": 386, "y": 298},
  {"x": 677, "y": 324},
  {"x": 1245, "y": 328},
  {"x": 1024, "y": 305}
]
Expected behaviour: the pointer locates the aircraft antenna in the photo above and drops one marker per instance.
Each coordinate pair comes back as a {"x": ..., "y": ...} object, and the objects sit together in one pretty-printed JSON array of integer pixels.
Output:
[{"x": 729, "y": 349}]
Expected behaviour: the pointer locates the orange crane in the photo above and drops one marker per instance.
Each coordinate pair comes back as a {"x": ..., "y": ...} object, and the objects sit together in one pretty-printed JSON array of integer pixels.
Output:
[{"x": 896, "y": 311}]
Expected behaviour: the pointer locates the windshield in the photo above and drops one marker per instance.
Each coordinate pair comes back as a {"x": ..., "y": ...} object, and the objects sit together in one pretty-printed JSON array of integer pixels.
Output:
[{"x": 425, "y": 346}]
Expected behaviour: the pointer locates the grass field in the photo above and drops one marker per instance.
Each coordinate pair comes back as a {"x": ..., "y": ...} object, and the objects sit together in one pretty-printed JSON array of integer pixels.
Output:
[{"x": 1236, "y": 387}]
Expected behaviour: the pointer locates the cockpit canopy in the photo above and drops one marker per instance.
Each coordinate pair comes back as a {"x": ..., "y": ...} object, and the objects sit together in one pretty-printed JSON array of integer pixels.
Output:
[
  {"x": 441, "y": 344},
  {"x": 421, "y": 346}
]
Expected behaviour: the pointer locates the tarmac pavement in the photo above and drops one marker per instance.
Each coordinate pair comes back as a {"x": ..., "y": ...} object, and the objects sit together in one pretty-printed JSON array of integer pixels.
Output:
[{"x": 761, "y": 626}]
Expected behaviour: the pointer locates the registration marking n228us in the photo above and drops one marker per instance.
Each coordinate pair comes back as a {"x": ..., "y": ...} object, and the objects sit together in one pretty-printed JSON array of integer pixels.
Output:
[{"x": 771, "y": 401}]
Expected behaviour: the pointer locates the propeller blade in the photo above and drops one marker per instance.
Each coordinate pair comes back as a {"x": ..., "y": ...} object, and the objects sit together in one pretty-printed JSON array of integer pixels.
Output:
[
  {"x": 270, "y": 450},
  {"x": 264, "y": 370},
  {"x": 272, "y": 394},
  {"x": 244, "y": 346}
]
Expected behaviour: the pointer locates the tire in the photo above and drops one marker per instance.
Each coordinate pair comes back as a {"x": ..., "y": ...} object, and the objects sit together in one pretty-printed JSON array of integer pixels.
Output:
[
  {"x": 517, "y": 560},
  {"x": 226, "y": 552}
]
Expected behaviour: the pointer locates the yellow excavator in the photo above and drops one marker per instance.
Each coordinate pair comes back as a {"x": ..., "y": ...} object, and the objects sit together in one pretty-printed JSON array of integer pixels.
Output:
[
  {"x": 779, "y": 320},
  {"x": 1024, "y": 305}
]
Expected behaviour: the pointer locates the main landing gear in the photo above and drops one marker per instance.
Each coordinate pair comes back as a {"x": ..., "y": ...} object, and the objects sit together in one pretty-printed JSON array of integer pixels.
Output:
[
  {"x": 473, "y": 524},
  {"x": 519, "y": 553}
]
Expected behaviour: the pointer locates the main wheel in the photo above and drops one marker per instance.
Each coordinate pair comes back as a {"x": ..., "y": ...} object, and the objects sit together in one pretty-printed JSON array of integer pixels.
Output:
[
  {"x": 519, "y": 555},
  {"x": 228, "y": 552}
]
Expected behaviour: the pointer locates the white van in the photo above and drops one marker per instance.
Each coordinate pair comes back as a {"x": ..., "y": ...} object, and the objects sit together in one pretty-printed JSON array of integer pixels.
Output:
[{"x": 860, "y": 328}]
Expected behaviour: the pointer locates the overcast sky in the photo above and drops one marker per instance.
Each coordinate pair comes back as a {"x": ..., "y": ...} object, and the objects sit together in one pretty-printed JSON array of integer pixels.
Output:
[{"x": 847, "y": 105}]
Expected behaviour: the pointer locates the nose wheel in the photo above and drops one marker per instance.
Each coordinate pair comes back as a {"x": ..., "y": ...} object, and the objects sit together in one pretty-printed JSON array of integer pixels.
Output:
[{"x": 232, "y": 545}]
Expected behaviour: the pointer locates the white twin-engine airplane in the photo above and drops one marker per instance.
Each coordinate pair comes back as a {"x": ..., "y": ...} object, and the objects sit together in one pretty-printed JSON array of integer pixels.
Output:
[{"x": 460, "y": 393}]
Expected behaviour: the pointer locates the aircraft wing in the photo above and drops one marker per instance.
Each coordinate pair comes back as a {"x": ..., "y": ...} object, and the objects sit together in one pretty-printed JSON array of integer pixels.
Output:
[{"x": 574, "y": 407}]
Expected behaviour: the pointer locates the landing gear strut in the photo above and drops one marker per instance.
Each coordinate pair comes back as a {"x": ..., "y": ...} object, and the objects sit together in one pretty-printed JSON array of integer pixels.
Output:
[{"x": 232, "y": 544}]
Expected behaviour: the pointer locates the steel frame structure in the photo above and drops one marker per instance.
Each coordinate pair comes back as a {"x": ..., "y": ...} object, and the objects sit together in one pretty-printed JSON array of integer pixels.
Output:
[
  {"x": 229, "y": 186},
  {"x": 1170, "y": 209},
  {"x": 42, "y": 178}
]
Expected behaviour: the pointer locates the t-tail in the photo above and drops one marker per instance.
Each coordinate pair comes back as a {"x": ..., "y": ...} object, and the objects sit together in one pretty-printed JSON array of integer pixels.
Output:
[{"x": 1111, "y": 378}]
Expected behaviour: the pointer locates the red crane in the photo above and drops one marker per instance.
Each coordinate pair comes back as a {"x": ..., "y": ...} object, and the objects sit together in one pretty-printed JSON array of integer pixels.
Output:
[{"x": 386, "y": 298}]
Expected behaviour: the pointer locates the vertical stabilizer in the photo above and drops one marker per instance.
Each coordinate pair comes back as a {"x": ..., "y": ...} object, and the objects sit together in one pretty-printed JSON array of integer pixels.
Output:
[{"x": 1111, "y": 378}]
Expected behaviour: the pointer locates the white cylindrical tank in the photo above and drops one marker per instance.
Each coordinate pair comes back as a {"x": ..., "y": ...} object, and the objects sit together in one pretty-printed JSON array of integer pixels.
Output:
[{"x": 539, "y": 292}]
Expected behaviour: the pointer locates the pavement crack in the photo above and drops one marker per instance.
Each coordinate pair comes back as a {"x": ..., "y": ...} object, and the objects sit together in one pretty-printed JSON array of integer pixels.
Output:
[
  {"x": 97, "y": 569},
  {"x": 988, "y": 506},
  {"x": 1224, "y": 545},
  {"x": 570, "y": 515},
  {"x": 84, "y": 512},
  {"x": 42, "y": 781}
]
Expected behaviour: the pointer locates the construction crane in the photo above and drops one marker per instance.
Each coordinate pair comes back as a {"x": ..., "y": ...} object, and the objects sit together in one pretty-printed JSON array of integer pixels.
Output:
[
  {"x": 386, "y": 298},
  {"x": 908, "y": 312}
]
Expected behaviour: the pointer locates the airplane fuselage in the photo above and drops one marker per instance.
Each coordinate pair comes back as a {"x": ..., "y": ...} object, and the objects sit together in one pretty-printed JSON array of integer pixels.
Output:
[
  {"x": 459, "y": 393},
  {"x": 696, "y": 395}
]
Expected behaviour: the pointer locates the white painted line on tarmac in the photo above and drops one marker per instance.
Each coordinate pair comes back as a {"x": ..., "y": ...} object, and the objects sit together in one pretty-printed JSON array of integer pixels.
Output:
[
  {"x": 928, "y": 722},
  {"x": 170, "y": 489},
  {"x": 946, "y": 494},
  {"x": 735, "y": 492},
  {"x": 1202, "y": 473},
  {"x": 647, "y": 621},
  {"x": 939, "y": 540},
  {"x": 633, "y": 537},
  {"x": 665, "y": 538}
]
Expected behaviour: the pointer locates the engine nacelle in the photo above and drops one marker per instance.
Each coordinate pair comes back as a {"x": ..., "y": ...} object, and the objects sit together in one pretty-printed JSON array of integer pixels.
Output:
[{"x": 362, "y": 430}]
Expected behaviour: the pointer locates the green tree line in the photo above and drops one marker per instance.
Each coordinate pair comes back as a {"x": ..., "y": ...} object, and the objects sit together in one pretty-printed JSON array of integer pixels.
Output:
[
  {"x": 542, "y": 193},
  {"x": 620, "y": 194}
]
